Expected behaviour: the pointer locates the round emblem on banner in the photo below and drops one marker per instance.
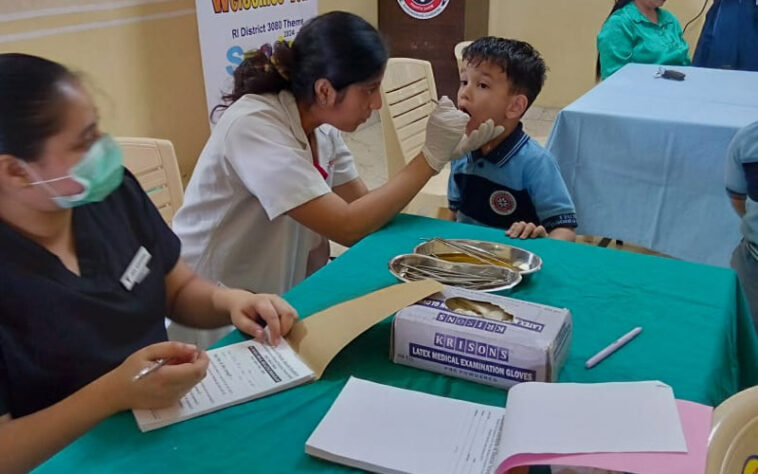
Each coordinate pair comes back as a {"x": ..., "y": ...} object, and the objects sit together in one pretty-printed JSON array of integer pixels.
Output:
[
  {"x": 503, "y": 203},
  {"x": 423, "y": 9}
]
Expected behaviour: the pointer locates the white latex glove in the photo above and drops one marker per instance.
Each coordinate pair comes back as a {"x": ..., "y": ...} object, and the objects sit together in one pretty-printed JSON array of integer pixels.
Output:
[
  {"x": 486, "y": 132},
  {"x": 446, "y": 134}
]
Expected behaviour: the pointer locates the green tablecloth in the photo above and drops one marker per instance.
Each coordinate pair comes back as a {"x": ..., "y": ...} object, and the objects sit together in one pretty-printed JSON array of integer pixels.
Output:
[{"x": 698, "y": 338}]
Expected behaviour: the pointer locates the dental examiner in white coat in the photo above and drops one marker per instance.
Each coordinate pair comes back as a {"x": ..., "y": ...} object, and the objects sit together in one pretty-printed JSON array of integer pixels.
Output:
[{"x": 275, "y": 182}]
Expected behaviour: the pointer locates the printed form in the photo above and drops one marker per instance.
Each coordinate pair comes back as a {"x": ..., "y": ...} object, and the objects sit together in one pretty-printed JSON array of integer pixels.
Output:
[
  {"x": 237, "y": 373},
  {"x": 390, "y": 430}
]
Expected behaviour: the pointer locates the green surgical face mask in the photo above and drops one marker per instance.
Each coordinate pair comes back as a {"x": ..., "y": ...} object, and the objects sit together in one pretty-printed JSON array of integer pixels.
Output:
[{"x": 100, "y": 172}]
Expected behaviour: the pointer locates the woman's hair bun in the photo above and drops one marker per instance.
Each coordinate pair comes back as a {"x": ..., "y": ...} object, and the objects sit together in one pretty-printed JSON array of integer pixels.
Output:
[
  {"x": 282, "y": 58},
  {"x": 267, "y": 59}
]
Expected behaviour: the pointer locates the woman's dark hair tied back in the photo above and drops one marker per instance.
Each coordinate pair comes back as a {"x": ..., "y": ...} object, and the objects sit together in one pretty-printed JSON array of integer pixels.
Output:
[
  {"x": 617, "y": 5},
  {"x": 338, "y": 46},
  {"x": 278, "y": 58},
  {"x": 266, "y": 69},
  {"x": 31, "y": 103}
]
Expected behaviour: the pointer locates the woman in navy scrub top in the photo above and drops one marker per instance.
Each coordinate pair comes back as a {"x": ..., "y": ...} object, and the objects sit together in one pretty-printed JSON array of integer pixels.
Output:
[{"x": 88, "y": 270}]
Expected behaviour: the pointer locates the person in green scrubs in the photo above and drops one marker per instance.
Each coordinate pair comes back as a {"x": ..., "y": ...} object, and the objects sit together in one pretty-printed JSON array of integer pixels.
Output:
[{"x": 640, "y": 31}]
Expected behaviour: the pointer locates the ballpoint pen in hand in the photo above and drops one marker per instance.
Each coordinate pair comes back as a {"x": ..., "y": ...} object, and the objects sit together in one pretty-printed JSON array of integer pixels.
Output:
[{"x": 157, "y": 364}]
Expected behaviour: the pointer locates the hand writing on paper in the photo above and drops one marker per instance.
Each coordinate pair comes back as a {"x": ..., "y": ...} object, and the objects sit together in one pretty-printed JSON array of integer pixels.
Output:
[
  {"x": 250, "y": 312},
  {"x": 161, "y": 388}
]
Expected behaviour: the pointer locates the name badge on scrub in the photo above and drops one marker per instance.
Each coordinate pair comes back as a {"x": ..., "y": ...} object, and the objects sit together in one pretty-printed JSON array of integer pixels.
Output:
[{"x": 137, "y": 269}]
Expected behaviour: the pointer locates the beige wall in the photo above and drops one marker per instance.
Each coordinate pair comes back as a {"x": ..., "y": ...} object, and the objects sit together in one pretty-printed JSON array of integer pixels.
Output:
[
  {"x": 367, "y": 9},
  {"x": 141, "y": 62},
  {"x": 476, "y": 25},
  {"x": 564, "y": 32}
]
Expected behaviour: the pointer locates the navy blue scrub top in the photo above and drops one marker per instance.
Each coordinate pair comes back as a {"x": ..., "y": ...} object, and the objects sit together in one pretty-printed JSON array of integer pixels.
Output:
[
  {"x": 729, "y": 39},
  {"x": 60, "y": 331}
]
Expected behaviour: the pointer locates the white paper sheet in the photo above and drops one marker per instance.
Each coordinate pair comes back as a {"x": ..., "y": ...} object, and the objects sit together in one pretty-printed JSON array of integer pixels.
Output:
[
  {"x": 236, "y": 373},
  {"x": 391, "y": 430},
  {"x": 591, "y": 418}
]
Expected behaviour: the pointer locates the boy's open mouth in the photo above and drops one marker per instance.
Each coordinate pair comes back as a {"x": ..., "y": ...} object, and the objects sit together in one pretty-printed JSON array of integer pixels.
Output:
[{"x": 465, "y": 111}]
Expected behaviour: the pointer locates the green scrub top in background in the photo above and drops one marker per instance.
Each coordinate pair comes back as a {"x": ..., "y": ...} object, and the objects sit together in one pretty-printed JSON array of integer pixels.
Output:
[{"x": 628, "y": 36}]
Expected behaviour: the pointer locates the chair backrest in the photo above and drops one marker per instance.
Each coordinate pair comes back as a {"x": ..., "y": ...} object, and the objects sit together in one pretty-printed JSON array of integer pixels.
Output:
[
  {"x": 458, "y": 52},
  {"x": 408, "y": 97},
  {"x": 154, "y": 163},
  {"x": 733, "y": 443}
]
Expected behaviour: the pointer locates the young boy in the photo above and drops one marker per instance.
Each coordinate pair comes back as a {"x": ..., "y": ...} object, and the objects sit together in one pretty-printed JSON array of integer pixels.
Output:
[
  {"x": 742, "y": 187},
  {"x": 511, "y": 182}
]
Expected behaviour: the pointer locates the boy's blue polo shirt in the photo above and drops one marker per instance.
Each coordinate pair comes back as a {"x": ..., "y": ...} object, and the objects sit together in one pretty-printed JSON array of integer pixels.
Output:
[
  {"x": 517, "y": 181},
  {"x": 742, "y": 179}
]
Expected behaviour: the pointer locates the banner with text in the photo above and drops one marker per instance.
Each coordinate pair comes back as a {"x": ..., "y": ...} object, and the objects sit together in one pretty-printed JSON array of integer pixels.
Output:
[{"x": 228, "y": 28}]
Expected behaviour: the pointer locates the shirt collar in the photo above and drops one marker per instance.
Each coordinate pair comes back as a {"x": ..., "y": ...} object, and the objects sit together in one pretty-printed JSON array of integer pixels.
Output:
[
  {"x": 293, "y": 115},
  {"x": 22, "y": 249},
  {"x": 505, "y": 150},
  {"x": 636, "y": 15}
]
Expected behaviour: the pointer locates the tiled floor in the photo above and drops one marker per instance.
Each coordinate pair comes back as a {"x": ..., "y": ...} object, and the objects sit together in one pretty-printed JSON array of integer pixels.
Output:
[
  {"x": 367, "y": 145},
  {"x": 538, "y": 122}
]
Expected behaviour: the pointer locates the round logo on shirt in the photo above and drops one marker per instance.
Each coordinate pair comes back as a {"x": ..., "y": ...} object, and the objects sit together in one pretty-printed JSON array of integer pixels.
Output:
[
  {"x": 423, "y": 9},
  {"x": 502, "y": 203}
]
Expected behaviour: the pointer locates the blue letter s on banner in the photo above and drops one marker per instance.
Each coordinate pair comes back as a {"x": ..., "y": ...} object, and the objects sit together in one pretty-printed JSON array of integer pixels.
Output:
[{"x": 234, "y": 55}]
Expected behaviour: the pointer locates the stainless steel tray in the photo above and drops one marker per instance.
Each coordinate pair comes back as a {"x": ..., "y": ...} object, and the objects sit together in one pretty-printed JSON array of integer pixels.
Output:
[
  {"x": 523, "y": 261},
  {"x": 411, "y": 267}
]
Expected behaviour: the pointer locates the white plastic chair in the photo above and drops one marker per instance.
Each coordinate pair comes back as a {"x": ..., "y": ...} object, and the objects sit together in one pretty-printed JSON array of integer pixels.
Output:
[
  {"x": 733, "y": 442},
  {"x": 153, "y": 162},
  {"x": 408, "y": 95},
  {"x": 458, "y": 52}
]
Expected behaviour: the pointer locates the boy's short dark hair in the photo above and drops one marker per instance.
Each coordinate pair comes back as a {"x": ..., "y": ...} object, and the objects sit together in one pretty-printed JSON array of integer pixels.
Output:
[{"x": 522, "y": 63}]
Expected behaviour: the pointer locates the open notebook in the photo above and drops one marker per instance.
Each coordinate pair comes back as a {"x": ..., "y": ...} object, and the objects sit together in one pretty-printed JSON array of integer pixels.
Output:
[
  {"x": 632, "y": 427},
  {"x": 247, "y": 370}
]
